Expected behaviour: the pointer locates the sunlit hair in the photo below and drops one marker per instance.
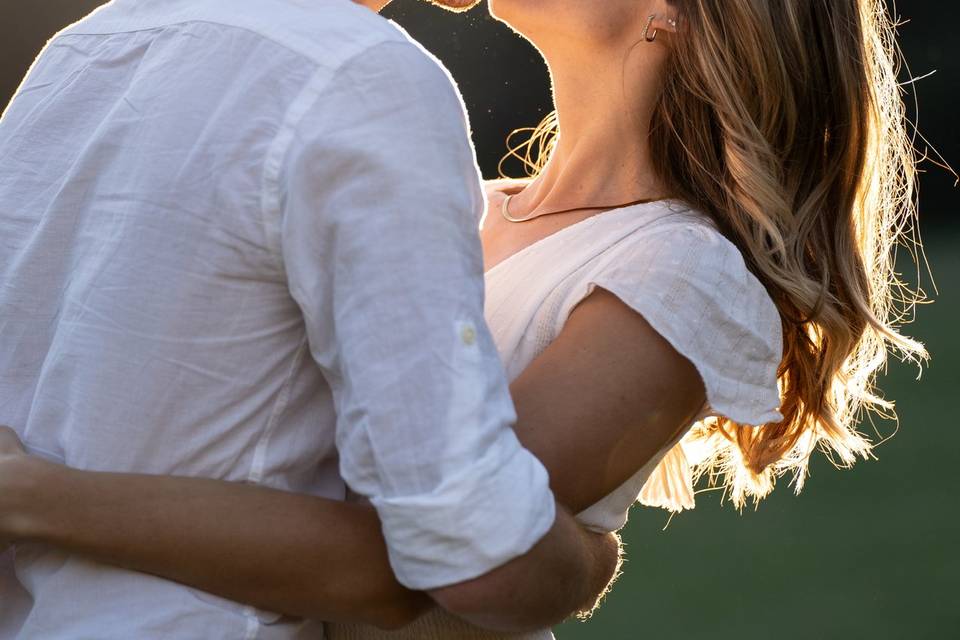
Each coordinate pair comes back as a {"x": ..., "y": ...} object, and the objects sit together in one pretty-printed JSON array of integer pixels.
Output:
[{"x": 784, "y": 121}]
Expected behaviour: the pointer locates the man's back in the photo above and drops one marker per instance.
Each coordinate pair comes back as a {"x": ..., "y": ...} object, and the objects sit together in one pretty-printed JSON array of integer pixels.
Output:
[
  {"x": 140, "y": 264},
  {"x": 147, "y": 322}
]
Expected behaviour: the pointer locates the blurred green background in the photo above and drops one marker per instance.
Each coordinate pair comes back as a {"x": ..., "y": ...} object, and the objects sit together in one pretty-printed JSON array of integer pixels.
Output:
[{"x": 867, "y": 553}]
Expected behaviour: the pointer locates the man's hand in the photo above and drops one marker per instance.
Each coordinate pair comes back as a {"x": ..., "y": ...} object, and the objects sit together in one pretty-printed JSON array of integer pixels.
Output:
[
  {"x": 578, "y": 564},
  {"x": 607, "y": 550}
]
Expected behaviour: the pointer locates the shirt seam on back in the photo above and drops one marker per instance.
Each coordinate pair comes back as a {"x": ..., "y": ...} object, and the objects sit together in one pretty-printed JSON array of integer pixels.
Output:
[{"x": 258, "y": 462}]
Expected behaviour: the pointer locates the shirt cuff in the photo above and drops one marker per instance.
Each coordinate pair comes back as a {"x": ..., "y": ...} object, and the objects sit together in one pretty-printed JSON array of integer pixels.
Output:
[{"x": 494, "y": 511}]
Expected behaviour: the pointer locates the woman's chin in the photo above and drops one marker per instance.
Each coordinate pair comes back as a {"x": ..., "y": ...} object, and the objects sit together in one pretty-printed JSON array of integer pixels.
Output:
[{"x": 456, "y": 5}]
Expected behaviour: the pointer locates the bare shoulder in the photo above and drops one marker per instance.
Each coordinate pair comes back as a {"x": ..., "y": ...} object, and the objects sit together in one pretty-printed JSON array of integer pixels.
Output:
[{"x": 632, "y": 337}]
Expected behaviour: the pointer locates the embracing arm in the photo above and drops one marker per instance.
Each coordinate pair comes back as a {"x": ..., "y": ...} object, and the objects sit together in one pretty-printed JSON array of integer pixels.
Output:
[
  {"x": 296, "y": 554},
  {"x": 326, "y": 559},
  {"x": 279, "y": 551}
]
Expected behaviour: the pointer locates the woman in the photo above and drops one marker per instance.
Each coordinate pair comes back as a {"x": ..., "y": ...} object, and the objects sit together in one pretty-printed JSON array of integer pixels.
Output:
[{"x": 721, "y": 202}]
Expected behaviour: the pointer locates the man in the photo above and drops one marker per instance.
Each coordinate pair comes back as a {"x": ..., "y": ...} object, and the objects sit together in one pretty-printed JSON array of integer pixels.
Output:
[{"x": 239, "y": 239}]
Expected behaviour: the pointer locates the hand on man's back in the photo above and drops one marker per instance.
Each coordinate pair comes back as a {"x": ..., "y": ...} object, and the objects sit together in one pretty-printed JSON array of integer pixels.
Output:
[{"x": 11, "y": 456}]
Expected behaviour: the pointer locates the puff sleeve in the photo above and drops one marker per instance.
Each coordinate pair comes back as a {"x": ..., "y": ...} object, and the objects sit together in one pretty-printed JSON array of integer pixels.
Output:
[{"x": 693, "y": 287}]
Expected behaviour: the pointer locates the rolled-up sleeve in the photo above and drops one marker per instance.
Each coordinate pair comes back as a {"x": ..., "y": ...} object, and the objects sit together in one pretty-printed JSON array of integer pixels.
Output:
[{"x": 379, "y": 240}]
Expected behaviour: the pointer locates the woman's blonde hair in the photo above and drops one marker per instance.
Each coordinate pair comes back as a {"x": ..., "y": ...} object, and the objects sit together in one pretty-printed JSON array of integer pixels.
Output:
[{"x": 784, "y": 121}]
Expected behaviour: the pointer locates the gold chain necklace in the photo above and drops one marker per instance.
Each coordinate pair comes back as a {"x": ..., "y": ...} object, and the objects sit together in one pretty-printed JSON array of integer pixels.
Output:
[{"x": 505, "y": 209}]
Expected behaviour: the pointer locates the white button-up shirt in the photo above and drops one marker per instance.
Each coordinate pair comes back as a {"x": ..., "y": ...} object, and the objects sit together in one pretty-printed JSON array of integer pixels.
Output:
[{"x": 237, "y": 239}]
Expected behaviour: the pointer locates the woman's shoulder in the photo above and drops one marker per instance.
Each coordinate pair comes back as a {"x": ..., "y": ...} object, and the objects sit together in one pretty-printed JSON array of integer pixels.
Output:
[
  {"x": 693, "y": 285},
  {"x": 686, "y": 248}
]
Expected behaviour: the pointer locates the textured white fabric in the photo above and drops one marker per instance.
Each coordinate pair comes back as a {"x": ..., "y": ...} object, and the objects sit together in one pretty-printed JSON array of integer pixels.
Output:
[
  {"x": 225, "y": 224},
  {"x": 671, "y": 265}
]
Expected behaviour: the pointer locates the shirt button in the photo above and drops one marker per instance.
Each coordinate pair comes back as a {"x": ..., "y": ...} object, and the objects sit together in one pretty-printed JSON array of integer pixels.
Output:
[{"x": 469, "y": 336}]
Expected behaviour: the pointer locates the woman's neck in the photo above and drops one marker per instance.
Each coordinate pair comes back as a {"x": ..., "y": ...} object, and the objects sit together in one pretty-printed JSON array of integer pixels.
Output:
[{"x": 602, "y": 157}]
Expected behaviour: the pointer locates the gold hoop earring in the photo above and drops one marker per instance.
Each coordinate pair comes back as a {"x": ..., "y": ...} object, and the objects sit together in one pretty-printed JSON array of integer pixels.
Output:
[{"x": 646, "y": 32}]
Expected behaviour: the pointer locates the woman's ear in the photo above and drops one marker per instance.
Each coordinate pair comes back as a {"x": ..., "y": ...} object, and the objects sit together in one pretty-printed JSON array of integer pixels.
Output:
[
  {"x": 666, "y": 22},
  {"x": 663, "y": 16},
  {"x": 657, "y": 23}
]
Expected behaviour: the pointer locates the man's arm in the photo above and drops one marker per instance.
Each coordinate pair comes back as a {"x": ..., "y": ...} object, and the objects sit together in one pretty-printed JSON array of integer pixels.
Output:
[{"x": 379, "y": 234}]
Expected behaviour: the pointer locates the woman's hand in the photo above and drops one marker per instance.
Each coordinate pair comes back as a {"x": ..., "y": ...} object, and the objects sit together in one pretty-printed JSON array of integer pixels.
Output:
[
  {"x": 18, "y": 479},
  {"x": 30, "y": 490}
]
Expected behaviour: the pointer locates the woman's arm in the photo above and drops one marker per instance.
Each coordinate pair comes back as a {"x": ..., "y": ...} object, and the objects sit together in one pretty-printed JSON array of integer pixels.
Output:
[
  {"x": 604, "y": 398},
  {"x": 296, "y": 554},
  {"x": 279, "y": 551},
  {"x": 597, "y": 405},
  {"x": 581, "y": 407}
]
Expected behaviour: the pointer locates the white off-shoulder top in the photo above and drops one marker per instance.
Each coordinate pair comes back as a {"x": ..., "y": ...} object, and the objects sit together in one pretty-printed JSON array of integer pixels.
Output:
[{"x": 671, "y": 265}]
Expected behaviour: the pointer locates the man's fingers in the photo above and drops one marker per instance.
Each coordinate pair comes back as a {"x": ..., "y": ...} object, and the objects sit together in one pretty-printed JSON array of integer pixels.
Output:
[{"x": 10, "y": 442}]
